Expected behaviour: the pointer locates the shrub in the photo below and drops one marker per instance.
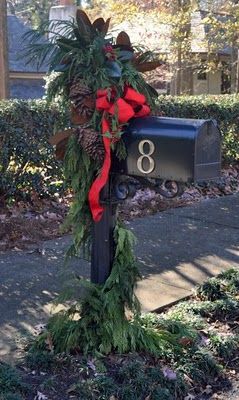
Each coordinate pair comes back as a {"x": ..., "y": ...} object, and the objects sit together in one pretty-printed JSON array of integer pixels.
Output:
[
  {"x": 225, "y": 346},
  {"x": 201, "y": 367},
  {"x": 218, "y": 309},
  {"x": 27, "y": 161},
  {"x": 223, "y": 108},
  {"x": 230, "y": 279},
  {"x": 210, "y": 290}
]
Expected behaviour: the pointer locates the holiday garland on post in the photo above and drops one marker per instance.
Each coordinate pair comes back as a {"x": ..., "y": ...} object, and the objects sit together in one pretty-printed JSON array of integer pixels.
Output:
[{"x": 100, "y": 79}]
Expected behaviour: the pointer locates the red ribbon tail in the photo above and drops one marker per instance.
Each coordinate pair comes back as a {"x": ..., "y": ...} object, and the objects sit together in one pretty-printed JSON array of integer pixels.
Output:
[
  {"x": 133, "y": 104},
  {"x": 94, "y": 194}
]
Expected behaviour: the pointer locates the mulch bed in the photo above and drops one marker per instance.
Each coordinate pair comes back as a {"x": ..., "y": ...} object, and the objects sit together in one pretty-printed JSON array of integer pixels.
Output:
[{"x": 200, "y": 327}]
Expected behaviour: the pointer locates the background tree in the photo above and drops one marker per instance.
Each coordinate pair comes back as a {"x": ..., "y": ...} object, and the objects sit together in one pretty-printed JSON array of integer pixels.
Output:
[
  {"x": 36, "y": 11},
  {"x": 224, "y": 33}
]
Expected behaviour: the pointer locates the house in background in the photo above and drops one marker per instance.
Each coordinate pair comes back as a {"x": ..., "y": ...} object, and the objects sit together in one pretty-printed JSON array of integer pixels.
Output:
[
  {"x": 155, "y": 35},
  {"x": 25, "y": 81},
  {"x": 212, "y": 82}
]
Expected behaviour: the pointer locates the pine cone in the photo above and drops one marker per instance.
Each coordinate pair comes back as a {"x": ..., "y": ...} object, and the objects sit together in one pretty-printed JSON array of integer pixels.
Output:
[
  {"x": 82, "y": 98},
  {"x": 91, "y": 142}
]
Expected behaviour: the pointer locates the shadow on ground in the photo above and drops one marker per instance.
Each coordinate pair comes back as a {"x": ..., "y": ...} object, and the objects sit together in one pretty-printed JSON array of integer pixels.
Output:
[{"x": 176, "y": 250}]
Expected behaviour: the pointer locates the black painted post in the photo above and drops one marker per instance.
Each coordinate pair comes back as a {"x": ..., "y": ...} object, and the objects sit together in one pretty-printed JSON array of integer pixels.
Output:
[{"x": 103, "y": 242}]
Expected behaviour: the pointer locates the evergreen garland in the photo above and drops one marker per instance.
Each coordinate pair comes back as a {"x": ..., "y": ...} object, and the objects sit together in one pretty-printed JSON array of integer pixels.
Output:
[
  {"x": 108, "y": 317},
  {"x": 84, "y": 61},
  {"x": 79, "y": 171}
]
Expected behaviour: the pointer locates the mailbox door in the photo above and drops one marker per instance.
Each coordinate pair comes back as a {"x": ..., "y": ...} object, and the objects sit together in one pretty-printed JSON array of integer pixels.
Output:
[
  {"x": 207, "y": 152},
  {"x": 160, "y": 148}
]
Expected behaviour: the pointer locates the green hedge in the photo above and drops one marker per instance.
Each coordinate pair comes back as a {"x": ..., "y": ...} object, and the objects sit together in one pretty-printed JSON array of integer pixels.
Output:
[
  {"x": 27, "y": 162},
  {"x": 223, "y": 108}
]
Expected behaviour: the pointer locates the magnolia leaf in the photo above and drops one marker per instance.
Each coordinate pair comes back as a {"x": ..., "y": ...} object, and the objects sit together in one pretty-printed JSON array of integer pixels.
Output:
[
  {"x": 99, "y": 24},
  {"x": 77, "y": 118},
  {"x": 106, "y": 27},
  {"x": 61, "y": 149},
  {"x": 59, "y": 136},
  {"x": 84, "y": 26},
  {"x": 153, "y": 92},
  {"x": 147, "y": 66},
  {"x": 123, "y": 39},
  {"x": 82, "y": 17},
  {"x": 59, "y": 68},
  {"x": 113, "y": 69}
]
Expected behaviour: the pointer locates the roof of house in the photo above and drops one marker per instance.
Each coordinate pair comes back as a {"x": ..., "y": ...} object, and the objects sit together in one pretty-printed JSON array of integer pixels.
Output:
[{"x": 16, "y": 30}]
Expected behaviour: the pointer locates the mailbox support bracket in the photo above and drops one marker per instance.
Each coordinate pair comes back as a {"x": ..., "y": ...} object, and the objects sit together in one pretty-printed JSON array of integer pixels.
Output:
[{"x": 118, "y": 189}]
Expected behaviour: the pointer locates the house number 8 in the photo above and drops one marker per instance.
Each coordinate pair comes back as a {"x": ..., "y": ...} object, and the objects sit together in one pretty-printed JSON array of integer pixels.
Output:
[{"x": 151, "y": 162}]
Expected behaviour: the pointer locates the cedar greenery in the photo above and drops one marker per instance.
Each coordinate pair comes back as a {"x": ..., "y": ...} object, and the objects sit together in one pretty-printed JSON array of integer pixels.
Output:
[
  {"x": 79, "y": 172},
  {"x": 98, "y": 323}
]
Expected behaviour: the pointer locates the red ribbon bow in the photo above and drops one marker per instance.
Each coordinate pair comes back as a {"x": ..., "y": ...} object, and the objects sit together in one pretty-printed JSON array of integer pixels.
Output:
[{"x": 132, "y": 104}]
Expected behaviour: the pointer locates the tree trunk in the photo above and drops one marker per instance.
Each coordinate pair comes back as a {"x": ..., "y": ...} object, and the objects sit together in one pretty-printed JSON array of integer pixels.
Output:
[
  {"x": 179, "y": 71},
  {"x": 182, "y": 74},
  {"x": 4, "y": 75},
  {"x": 234, "y": 59},
  {"x": 237, "y": 73}
]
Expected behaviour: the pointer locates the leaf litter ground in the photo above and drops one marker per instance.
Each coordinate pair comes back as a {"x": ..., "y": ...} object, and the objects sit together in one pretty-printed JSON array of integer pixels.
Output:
[{"x": 24, "y": 225}]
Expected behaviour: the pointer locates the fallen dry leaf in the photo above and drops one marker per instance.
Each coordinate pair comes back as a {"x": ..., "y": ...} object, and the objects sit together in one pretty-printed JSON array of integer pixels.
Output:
[
  {"x": 189, "y": 397},
  {"x": 40, "y": 396},
  {"x": 49, "y": 342}
]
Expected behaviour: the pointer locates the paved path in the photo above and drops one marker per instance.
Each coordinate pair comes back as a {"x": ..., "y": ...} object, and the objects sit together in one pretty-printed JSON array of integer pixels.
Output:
[{"x": 176, "y": 249}]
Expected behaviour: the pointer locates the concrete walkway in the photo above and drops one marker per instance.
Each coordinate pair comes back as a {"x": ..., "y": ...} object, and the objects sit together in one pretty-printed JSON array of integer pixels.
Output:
[{"x": 176, "y": 250}]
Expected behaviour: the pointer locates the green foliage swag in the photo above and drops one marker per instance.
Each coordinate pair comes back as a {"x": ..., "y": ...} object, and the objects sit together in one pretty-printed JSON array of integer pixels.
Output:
[{"x": 85, "y": 59}]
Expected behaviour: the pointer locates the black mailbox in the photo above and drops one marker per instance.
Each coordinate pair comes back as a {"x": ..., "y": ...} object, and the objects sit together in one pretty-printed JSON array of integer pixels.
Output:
[
  {"x": 183, "y": 150},
  {"x": 162, "y": 153}
]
